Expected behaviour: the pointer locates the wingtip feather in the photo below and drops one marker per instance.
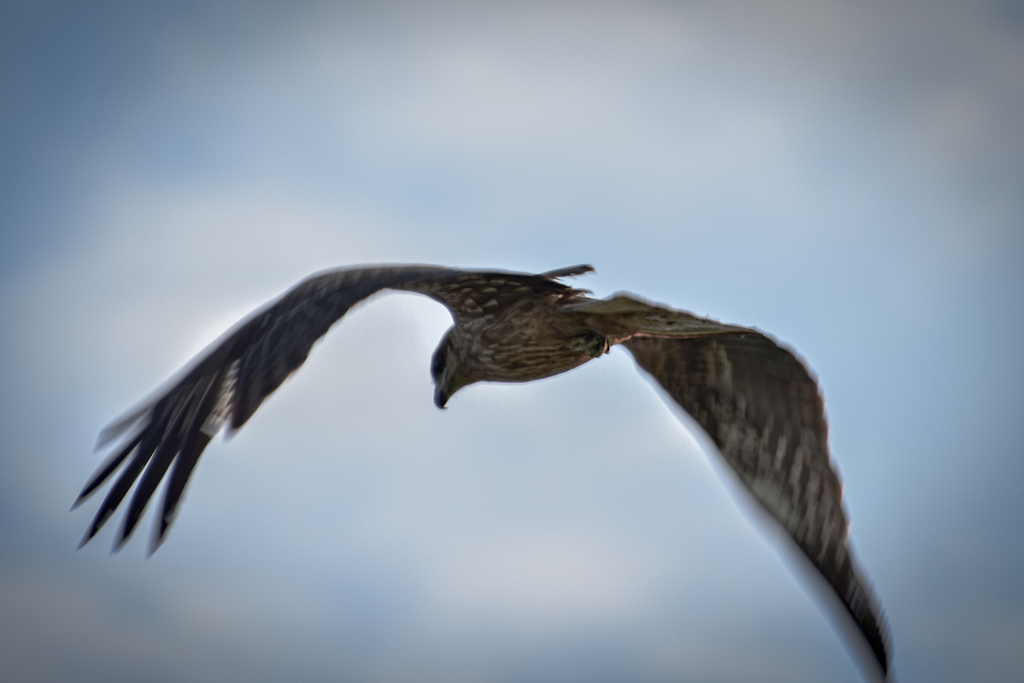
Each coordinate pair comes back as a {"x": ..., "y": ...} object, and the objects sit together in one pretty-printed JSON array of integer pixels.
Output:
[
  {"x": 97, "y": 523},
  {"x": 108, "y": 468},
  {"x": 85, "y": 539},
  {"x": 122, "y": 425},
  {"x": 571, "y": 271},
  {"x": 118, "y": 544},
  {"x": 159, "y": 536}
]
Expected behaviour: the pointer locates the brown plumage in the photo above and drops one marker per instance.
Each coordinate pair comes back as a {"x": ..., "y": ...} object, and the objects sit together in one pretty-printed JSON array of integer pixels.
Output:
[{"x": 755, "y": 399}]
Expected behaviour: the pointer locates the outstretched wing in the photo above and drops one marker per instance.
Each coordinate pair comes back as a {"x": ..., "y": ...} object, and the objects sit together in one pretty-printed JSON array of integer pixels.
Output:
[
  {"x": 227, "y": 383},
  {"x": 761, "y": 407}
]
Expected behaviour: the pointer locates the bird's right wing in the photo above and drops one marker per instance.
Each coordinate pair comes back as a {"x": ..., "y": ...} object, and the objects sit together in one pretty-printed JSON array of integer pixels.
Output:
[
  {"x": 226, "y": 384},
  {"x": 762, "y": 409}
]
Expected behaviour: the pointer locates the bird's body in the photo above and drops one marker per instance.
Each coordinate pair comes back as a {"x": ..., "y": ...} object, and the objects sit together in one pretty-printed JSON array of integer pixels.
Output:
[
  {"x": 754, "y": 398},
  {"x": 499, "y": 351},
  {"x": 527, "y": 338}
]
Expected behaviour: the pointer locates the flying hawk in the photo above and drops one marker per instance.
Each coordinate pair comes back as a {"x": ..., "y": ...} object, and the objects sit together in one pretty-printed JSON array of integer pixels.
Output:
[{"x": 755, "y": 399}]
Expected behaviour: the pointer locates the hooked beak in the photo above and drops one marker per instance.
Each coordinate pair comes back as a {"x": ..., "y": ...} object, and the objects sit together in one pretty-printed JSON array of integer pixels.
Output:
[
  {"x": 440, "y": 397},
  {"x": 443, "y": 388},
  {"x": 446, "y": 385}
]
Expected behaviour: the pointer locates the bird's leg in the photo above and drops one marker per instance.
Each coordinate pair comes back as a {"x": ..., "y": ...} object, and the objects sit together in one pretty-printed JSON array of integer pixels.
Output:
[{"x": 591, "y": 343}]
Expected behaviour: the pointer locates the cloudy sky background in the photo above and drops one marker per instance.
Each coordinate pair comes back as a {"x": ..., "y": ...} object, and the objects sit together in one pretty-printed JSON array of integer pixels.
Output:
[{"x": 848, "y": 176}]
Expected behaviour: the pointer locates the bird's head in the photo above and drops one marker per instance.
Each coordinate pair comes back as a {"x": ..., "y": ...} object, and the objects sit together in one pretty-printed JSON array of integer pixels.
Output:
[{"x": 444, "y": 368}]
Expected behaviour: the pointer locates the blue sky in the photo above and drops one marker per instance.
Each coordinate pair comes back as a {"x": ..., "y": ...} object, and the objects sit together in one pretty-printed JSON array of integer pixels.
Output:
[{"x": 846, "y": 176}]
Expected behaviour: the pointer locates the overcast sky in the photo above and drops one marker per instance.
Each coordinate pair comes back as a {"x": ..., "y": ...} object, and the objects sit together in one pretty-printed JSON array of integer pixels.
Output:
[{"x": 847, "y": 176}]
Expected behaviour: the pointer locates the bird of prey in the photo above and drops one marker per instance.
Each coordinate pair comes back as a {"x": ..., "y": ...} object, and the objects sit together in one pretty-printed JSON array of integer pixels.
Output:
[{"x": 756, "y": 400}]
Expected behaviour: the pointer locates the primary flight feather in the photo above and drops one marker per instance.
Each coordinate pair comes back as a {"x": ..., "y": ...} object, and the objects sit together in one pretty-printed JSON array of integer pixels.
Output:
[{"x": 755, "y": 399}]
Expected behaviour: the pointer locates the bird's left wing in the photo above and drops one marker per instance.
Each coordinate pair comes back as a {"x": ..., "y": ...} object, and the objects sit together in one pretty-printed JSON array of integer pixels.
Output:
[
  {"x": 226, "y": 384},
  {"x": 762, "y": 409}
]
